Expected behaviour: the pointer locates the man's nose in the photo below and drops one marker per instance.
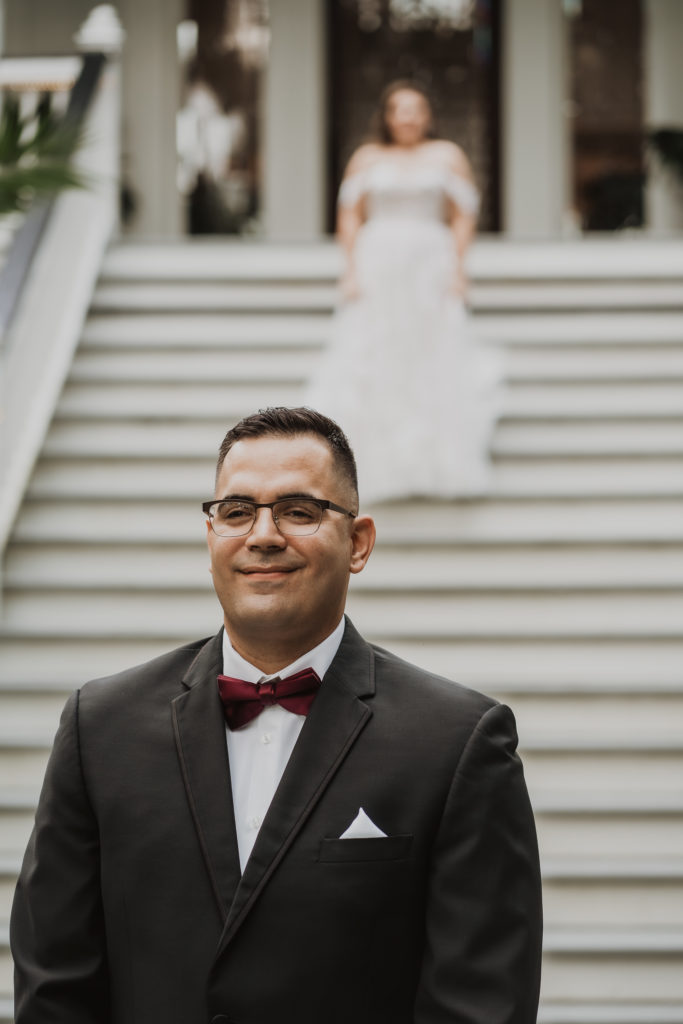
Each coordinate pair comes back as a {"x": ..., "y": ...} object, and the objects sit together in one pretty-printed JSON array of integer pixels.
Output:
[{"x": 264, "y": 530}]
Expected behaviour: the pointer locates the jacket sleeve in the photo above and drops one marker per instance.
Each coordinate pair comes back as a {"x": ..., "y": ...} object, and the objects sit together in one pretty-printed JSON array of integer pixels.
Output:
[
  {"x": 57, "y": 932},
  {"x": 482, "y": 960}
]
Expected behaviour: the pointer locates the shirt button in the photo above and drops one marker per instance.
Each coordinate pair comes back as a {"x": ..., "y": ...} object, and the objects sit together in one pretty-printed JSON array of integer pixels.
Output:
[
  {"x": 254, "y": 823},
  {"x": 266, "y": 738}
]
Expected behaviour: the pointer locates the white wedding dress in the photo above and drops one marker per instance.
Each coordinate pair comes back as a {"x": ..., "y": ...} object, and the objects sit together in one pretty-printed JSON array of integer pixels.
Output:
[{"x": 402, "y": 374}]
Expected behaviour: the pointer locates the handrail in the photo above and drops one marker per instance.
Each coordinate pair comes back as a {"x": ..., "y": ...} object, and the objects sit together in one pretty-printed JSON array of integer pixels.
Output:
[
  {"x": 18, "y": 261},
  {"x": 28, "y": 236},
  {"x": 51, "y": 305}
]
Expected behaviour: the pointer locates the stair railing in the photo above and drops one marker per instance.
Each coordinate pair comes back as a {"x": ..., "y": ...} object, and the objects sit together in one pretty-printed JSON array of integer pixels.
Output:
[{"x": 52, "y": 266}]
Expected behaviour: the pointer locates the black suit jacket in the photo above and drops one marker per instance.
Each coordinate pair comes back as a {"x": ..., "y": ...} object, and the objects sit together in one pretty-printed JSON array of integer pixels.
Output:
[{"x": 130, "y": 907}]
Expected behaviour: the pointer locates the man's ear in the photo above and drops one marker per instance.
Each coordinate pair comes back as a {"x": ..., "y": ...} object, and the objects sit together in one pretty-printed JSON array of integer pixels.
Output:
[
  {"x": 209, "y": 531},
  {"x": 362, "y": 542}
]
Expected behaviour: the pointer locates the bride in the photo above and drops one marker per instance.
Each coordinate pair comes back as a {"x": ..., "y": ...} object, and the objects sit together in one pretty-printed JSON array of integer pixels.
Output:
[{"x": 402, "y": 375}]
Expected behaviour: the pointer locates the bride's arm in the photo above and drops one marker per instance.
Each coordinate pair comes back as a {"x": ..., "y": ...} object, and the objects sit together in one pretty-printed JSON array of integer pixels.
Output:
[
  {"x": 351, "y": 216},
  {"x": 464, "y": 208}
]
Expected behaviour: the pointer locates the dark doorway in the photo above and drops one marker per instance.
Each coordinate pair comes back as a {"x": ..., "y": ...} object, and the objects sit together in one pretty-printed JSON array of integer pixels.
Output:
[
  {"x": 452, "y": 48},
  {"x": 607, "y": 114},
  {"x": 219, "y": 124}
]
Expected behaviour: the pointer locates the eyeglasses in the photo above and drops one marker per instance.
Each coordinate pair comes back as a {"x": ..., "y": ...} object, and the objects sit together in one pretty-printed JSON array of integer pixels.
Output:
[{"x": 294, "y": 517}]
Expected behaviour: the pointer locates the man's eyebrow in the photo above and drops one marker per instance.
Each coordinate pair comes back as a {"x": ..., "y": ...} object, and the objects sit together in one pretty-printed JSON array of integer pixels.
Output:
[
  {"x": 280, "y": 497},
  {"x": 297, "y": 494}
]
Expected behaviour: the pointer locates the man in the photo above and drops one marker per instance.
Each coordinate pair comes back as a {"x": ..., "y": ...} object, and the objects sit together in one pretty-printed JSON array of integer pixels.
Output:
[{"x": 363, "y": 852}]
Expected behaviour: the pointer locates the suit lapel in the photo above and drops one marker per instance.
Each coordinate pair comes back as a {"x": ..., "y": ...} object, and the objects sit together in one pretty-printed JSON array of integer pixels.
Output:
[
  {"x": 335, "y": 721},
  {"x": 199, "y": 728}
]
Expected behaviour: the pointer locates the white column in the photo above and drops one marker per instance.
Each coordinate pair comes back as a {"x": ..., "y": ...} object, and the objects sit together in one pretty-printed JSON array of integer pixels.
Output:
[
  {"x": 293, "y": 139},
  {"x": 663, "y": 107},
  {"x": 151, "y": 96},
  {"x": 535, "y": 145}
]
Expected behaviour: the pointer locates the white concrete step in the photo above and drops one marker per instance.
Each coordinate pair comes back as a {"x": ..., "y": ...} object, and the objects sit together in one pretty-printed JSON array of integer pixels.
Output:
[
  {"x": 171, "y": 401},
  {"x": 219, "y": 259},
  {"x": 226, "y": 330},
  {"x": 595, "y": 362},
  {"x": 145, "y": 400},
  {"x": 413, "y": 614},
  {"x": 605, "y": 802},
  {"x": 504, "y": 668},
  {"x": 615, "y": 839},
  {"x": 592, "y": 438},
  {"x": 571, "y": 328},
  {"x": 612, "y": 905},
  {"x": 15, "y": 829},
  {"x": 163, "y": 440},
  {"x": 632, "y": 976},
  {"x": 548, "y": 723},
  {"x": 576, "y": 1011},
  {"x": 606, "y": 872},
  {"x": 166, "y": 331},
  {"x": 422, "y": 566},
  {"x": 195, "y": 364},
  {"x": 223, "y": 296},
  {"x": 598, "y": 400},
  {"x": 585, "y": 259},
  {"x": 645, "y": 776},
  {"x": 191, "y": 365},
  {"x": 29, "y": 714},
  {"x": 535, "y": 521},
  {"x": 571, "y": 295},
  {"x": 23, "y": 767},
  {"x": 322, "y": 295},
  {"x": 523, "y": 478},
  {"x": 638, "y": 719},
  {"x": 6, "y": 1013},
  {"x": 649, "y": 776}
]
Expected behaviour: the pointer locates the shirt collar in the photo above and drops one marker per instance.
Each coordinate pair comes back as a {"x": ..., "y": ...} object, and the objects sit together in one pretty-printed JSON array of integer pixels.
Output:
[{"x": 319, "y": 659}]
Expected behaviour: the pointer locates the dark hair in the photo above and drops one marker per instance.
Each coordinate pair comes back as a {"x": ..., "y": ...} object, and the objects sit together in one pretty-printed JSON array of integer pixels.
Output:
[
  {"x": 380, "y": 128},
  {"x": 280, "y": 421}
]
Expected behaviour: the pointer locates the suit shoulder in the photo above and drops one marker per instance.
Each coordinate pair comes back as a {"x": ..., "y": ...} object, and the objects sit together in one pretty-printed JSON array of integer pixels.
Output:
[
  {"x": 168, "y": 668},
  {"x": 392, "y": 671}
]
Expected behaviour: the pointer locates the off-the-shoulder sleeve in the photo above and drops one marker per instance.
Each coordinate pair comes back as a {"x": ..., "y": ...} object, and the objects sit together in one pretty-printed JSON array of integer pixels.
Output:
[
  {"x": 463, "y": 193},
  {"x": 352, "y": 189}
]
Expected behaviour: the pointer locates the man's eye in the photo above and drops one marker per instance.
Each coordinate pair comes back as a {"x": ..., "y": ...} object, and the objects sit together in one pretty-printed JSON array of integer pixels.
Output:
[
  {"x": 233, "y": 513},
  {"x": 298, "y": 512}
]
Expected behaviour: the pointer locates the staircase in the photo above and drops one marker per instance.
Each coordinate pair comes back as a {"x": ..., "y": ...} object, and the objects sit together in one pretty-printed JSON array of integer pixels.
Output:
[{"x": 561, "y": 592}]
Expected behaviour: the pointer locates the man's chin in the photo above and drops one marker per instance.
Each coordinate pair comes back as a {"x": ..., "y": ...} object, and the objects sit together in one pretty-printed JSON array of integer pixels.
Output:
[{"x": 267, "y": 611}]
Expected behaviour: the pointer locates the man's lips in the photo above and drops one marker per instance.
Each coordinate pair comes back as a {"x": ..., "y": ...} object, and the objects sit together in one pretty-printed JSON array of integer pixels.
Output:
[{"x": 266, "y": 570}]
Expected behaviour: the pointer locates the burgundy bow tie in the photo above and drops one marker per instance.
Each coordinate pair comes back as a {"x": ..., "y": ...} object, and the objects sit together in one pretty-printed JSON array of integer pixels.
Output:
[{"x": 243, "y": 701}]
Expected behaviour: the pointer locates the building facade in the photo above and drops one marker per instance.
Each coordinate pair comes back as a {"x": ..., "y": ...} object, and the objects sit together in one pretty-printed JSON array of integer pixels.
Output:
[{"x": 238, "y": 115}]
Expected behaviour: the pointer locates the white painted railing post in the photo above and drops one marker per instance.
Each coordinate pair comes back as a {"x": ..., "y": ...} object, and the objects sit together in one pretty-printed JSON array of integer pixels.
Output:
[{"x": 43, "y": 336}]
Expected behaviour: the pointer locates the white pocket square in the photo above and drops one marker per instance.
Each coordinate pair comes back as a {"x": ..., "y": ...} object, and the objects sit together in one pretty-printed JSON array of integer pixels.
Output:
[{"x": 363, "y": 827}]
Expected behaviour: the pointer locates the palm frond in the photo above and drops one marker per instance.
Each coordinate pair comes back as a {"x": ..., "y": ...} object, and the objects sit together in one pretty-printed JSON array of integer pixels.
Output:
[
  {"x": 36, "y": 153},
  {"x": 11, "y": 128}
]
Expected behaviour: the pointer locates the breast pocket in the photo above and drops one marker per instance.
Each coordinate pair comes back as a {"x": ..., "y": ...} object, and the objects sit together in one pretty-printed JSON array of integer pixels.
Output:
[{"x": 349, "y": 850}]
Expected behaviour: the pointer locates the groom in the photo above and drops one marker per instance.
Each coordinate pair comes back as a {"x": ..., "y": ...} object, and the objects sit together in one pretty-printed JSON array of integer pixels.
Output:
[{"x": 282, "y": 823}]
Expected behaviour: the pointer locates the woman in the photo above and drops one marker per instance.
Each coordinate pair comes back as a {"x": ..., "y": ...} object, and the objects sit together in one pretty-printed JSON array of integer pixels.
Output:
[{"x": 402, "y": 375}]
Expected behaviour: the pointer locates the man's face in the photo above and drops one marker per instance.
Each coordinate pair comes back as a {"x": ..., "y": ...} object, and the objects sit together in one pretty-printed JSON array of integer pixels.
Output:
[{"x": 282, "y": 593}]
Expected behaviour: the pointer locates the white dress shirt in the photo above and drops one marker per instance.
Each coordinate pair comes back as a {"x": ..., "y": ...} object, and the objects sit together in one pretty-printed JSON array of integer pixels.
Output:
[{"x": 260, "y": 750}]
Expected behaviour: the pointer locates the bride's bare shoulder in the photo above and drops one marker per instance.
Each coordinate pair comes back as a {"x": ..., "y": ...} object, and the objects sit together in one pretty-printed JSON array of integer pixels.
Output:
[
  {"x": 454, "y": 158},
  {"x": 363, "y": 158}
]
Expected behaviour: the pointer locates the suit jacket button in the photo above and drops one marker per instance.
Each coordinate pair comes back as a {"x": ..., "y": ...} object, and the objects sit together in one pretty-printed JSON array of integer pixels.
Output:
[{"x": 221, "y": 1019}]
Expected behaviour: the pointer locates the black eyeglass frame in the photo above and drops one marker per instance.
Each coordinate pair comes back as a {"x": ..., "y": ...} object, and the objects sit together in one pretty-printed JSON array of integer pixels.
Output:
[{"x": 322, "y": 504}]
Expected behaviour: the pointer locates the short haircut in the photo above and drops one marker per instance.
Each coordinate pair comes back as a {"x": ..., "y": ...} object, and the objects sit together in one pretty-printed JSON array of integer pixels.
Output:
[{"x": 280, "y": 421}]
